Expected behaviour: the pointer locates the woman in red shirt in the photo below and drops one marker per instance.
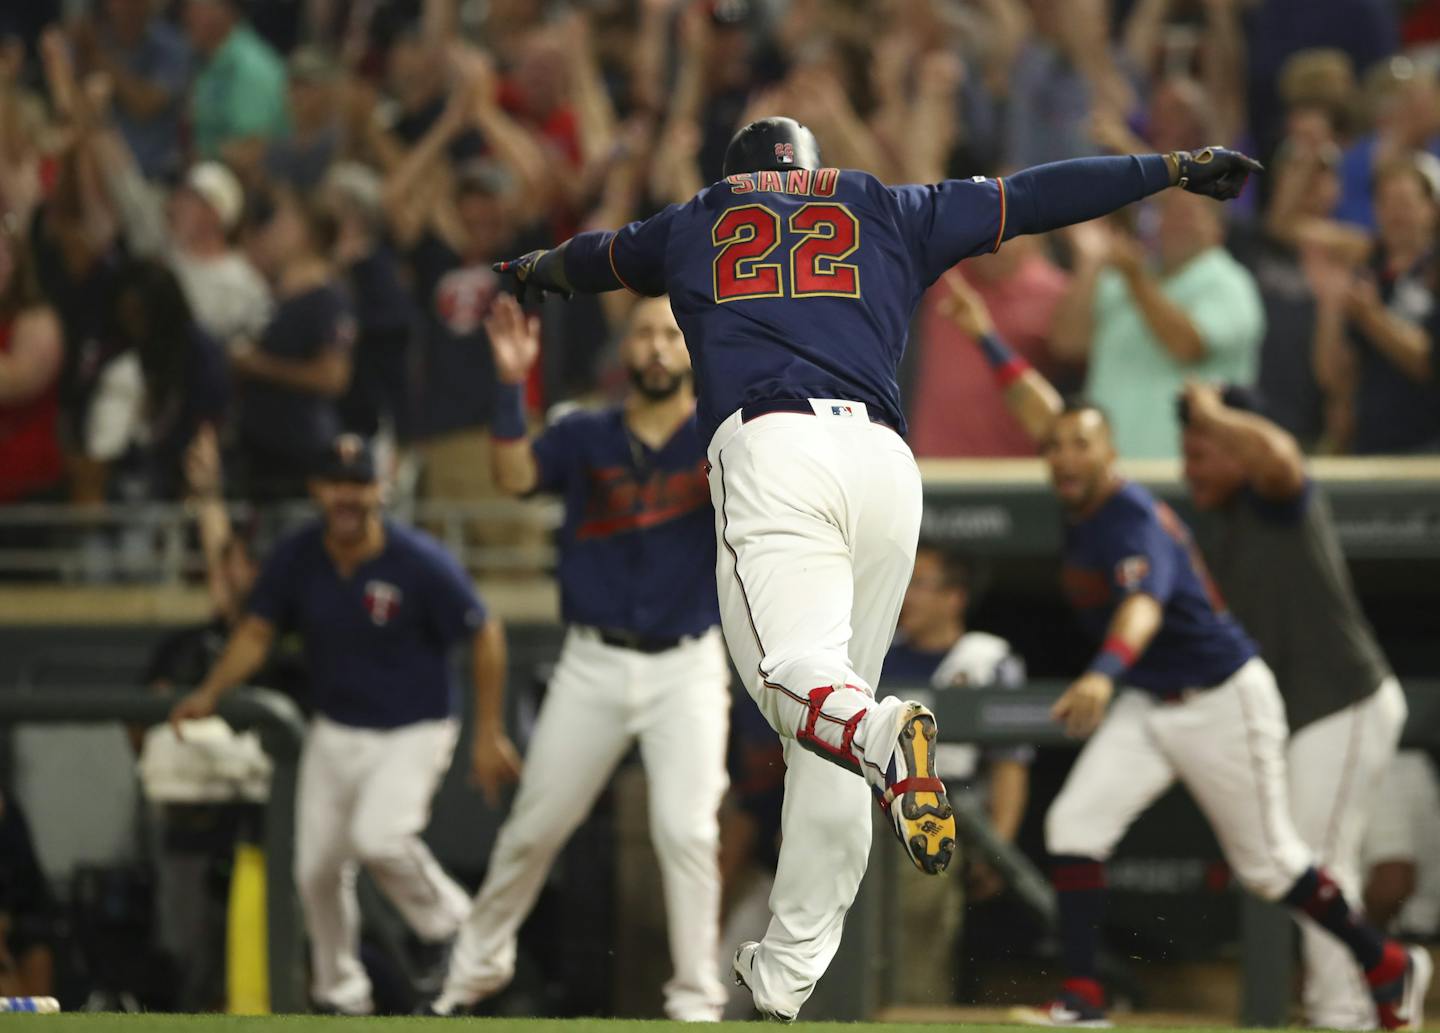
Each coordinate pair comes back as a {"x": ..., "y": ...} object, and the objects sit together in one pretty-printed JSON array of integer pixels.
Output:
[{"x": 30, "y": 356}]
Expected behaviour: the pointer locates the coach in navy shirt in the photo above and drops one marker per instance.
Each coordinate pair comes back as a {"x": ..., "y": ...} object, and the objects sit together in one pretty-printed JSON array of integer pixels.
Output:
[{"x": 379, "y": 607}]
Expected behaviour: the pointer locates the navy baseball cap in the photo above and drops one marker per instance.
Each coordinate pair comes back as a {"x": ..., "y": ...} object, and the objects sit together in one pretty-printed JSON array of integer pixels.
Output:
[{"x": 349, "y": 458}]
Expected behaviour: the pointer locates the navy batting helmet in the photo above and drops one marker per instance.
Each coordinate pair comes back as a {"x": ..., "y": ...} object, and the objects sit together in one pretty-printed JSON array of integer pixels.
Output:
[{"x": 772, "y": 143}]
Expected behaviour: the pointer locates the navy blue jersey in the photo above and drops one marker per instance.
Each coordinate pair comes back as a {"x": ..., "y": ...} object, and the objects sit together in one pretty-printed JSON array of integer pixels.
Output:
[
  {"x": 805, "y": 292},
  {"x": 802, "y": 284},
  {"x": 377, "y": 643},
  {"x": 637, "y": 551},
  {"x": 1135, "y": 543}
]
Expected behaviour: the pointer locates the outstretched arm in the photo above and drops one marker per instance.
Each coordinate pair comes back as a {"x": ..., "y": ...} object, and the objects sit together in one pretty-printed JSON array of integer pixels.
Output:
[
  {"x": 1032, "y": 399},
  {"x": 1061, "y": 193}
]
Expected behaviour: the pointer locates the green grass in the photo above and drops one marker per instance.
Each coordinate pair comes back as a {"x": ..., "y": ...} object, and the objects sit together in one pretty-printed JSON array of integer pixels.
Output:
[{"x": 96, "y": 1023}]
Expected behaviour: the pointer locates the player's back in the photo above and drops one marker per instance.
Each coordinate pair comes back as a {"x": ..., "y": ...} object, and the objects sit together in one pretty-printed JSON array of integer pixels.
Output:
[{"x": 801, "y": 284}]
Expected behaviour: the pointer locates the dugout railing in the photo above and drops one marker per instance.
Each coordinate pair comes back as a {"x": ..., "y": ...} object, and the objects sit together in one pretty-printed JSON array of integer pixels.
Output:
[{"x": 281, "y": 729}]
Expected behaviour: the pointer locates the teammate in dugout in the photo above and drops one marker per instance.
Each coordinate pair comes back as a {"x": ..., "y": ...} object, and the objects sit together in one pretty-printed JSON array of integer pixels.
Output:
[
  {"x": 795, "y": 285},
  {"x": 378, "y": 606},
  {"x": 1196, "y": 704},
  {"x": 1278, "y": 563},
  {"x": 643, "y": 659}
]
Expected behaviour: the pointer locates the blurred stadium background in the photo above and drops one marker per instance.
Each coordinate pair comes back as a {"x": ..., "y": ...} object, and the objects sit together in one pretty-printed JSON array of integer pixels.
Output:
[{"x": 147, "y": 143}]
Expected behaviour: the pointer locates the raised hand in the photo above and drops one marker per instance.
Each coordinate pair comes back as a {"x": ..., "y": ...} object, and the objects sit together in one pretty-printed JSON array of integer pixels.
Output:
[
  {"x": 514, "y": 338},
  {"x": 964, "y": 307}
]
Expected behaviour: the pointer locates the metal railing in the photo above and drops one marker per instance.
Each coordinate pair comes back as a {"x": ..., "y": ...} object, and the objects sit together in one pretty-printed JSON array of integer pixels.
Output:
[
  {"x": 281, "y": 730},
  {"x": 155, "y": 543}
]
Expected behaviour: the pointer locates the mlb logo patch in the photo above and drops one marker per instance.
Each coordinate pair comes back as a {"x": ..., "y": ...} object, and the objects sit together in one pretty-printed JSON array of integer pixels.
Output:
[
  {"x": 841, "y": 410},
  {"x": 382, "y": 601},
  {"x": 785, "y": 153}
]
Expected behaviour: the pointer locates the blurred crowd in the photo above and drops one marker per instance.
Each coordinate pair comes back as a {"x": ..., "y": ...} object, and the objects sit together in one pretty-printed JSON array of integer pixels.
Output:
[{"x": 277, "y": 217}]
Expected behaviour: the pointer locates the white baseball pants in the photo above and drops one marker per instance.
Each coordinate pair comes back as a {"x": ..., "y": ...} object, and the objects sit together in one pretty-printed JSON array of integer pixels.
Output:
[
  {"x": 601, "y": 700},
  {"x": 817, "y": 518},
  {"x": 364, "y": 798},
  {"x": 1225, "y": 744},
  {"x": 1337, "y": 765}
]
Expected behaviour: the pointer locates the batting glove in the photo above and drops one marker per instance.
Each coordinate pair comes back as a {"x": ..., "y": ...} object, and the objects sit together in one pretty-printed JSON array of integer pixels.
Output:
[
  {"x": 536, "y": 273},
  {"x": 1216, "y": 172}
]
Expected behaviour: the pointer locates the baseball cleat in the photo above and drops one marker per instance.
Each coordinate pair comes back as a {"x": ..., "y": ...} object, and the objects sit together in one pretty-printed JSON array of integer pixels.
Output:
[
  {"x": 1401, "y": 1004},
  {"x": 742, "y": 969},
  {"x": 1075, "y": 1006},
  {"x": 914, "y": 797}
]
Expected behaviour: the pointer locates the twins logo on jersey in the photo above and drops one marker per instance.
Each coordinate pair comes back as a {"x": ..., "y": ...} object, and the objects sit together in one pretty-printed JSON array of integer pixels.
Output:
[
  {"x": 382, "y": 600},
  {"x": 463, "y": 296},
  {"x": 619, "y": 501},
  {"x": 1130, "y": 571}
]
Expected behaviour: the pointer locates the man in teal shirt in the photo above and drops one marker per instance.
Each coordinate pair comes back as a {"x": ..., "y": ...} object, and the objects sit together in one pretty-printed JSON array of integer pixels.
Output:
[
  {"x": 239, "y": 99},
  {"x": 1144, "y": 333}
]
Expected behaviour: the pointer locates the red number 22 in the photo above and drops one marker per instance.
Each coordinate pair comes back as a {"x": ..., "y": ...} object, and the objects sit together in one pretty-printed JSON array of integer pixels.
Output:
[{"x": 746, "y": 236}]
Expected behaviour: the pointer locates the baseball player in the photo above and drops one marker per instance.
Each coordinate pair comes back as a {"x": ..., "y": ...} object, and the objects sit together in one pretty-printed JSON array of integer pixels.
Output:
[
  {"x": 643, "y": 659},
  {"x": 1278, "y": 563},
  {"x": 1197, "y": 704},
  {"x": 795, "y": 284},
  {"x": 378, "y": 606}
]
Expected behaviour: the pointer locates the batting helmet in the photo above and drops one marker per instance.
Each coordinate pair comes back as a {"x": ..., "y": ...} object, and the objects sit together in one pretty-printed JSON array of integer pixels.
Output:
[{"x": 772, "y": 143}]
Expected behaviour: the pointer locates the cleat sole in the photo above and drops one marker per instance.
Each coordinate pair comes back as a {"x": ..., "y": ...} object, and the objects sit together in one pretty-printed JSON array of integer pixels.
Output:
[{"x": 926, "y": 823}]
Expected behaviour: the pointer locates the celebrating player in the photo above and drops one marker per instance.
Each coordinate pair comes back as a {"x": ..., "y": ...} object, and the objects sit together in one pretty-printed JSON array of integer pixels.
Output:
[
  {"x": 1197, "y": 704},
  {"x": 642, "y": 659},
  {"x": 1278, "y": 562},
  {"x": 378, "y": 607},
  {"x": 795, "y": 285}
]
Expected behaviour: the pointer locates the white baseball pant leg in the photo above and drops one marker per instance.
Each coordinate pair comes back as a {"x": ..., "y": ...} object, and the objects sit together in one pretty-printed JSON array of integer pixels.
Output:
[
  {"x": 1121, "y": 771},
  {"x": 682, "y": 721},
  {"x": 601, "y": 699},
  {"x": 1337, "y": 765},
  {"x": 364, "y": 798},
  {"x": 1225, "y": 744},
  {"x": 817, "y": 519},
  {"x": 580, "y": 735},
  {"x": 1228, "y": 748}
]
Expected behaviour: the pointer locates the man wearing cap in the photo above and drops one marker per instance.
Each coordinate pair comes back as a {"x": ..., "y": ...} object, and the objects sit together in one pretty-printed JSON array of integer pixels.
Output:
[
  {"x": 1277, "y": 561},
  {"x": 378, "y": 606},
  {"x": 238, "y": 101},
  {"x": 191, "y": 234}
]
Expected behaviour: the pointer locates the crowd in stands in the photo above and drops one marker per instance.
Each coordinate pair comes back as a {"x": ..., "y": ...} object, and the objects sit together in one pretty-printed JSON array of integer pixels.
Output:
[{"x": 276, "y": 218}]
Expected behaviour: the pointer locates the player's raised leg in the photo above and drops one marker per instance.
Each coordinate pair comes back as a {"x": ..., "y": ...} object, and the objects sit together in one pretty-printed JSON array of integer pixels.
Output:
[
  {"x": 391, "y": 812},
  {"x": 1336, "y": 767},
  {"x": 797, "y": 497},
  {"x": 580, "y": 735},
  {"x": 682, "y": 744},
  {"x": 1240, "y": 782},
  {"x": 1119, "y": 773}
]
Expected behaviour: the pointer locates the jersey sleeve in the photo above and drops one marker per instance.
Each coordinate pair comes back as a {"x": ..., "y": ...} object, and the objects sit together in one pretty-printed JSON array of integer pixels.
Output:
[
  {"x": 1141, "y": 559},
  {"x": 945, "y": 222},
  {"x": 557, "y": 454},
  {"x": 454, "y": 605},
  {"x": 274, "y": 596},
  {"x": 632, "y": 257}
]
